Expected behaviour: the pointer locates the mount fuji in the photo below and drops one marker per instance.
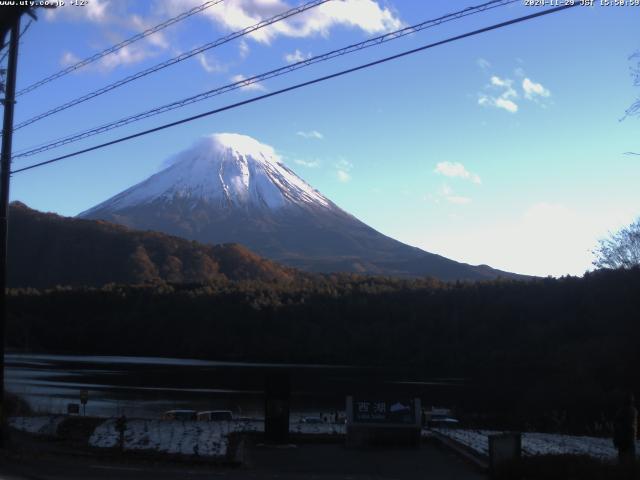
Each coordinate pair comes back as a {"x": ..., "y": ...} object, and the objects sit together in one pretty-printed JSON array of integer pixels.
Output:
[{"x": 230, "y": 188}]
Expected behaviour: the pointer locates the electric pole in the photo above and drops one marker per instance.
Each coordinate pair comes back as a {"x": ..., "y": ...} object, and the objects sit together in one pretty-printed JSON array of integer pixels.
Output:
[{"x": 5, "y": 171}]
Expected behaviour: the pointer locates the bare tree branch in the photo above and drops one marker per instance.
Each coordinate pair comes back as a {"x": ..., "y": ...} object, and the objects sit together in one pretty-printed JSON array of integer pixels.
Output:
[
  {"x": 634, "y": 109},
  {"x": 621, "y": 249}
]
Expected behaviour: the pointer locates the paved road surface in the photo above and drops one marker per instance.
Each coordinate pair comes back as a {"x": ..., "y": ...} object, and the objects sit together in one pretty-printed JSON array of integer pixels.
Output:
[{"x": 319, "y": 462}]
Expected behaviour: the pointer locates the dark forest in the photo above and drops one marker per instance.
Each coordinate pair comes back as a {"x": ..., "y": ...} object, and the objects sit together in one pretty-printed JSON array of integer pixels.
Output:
[{"x": 530, "y": 349}]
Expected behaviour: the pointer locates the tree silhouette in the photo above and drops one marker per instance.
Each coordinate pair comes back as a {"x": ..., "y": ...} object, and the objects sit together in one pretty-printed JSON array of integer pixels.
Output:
[{"x": 621, "y": 249}]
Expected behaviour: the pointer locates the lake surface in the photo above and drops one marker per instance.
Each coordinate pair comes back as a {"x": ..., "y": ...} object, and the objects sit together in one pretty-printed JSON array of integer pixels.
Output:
[{"x": 145, "y": 387}]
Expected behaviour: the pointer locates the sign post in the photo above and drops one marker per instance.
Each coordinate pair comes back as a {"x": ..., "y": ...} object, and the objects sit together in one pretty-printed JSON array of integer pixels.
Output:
[
  {"x": 504, "y": 450},
  {"x": 277, "y": 401},
  {"x": 84, "y": 398}
]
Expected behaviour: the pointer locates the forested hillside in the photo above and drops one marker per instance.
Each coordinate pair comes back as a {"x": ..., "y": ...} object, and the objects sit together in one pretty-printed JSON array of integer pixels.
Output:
[{"x": 48, "y": 250}]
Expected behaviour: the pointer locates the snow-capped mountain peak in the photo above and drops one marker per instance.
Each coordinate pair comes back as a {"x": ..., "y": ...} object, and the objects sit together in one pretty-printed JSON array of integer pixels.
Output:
[
  {"x": 231, "y": 188},
  {"x": 224, "y": 169}
]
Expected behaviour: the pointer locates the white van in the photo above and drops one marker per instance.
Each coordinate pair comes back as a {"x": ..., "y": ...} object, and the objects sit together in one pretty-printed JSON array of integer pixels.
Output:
[
  {"x": 179, "y": 415},
  {"x": 215, "y": 416}
]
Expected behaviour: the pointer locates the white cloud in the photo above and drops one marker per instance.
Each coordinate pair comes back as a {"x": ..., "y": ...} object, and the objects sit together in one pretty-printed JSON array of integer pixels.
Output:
[
  {"x": 532, "y": 89},
  {"x": 96, "y": 11},
  {"x": 308, "y": 164},
  {"x": 296, "y": 56},
  {"x": 343, "y": 176},
  {"x": 157, "y": 39},
  {"x": 210, "y": 66},
  {"x": 447, "y": 193},
  {"x": 69, "y": 58},
  {"x": 499, "y": 82},
  {"x": 366, "y": 15},
  {"x": 504, "y": 99},
  {"x": 344, "y": 168},
  {"x": 115, "y": 22},
  {"x": 505, "y": 104},
  {"x": 243, "y": 47},
  {"x": 344, "y": 164},
  {"x": 458, "y": 200},
  {"x": 497, "y": 102},
  {"x": 483, "y": 100},
  {"x": 127, "y": 55},
  {"x": 483, "y": 63},
  {"x": 456, "y": 169},
  {"x": 544, "y": 239},
  {"x": 311, "y": 134},
  {"x": 507, "y": 85},
  {"x": 562, "y": 239},
  {"x": 255, "y": 86}
]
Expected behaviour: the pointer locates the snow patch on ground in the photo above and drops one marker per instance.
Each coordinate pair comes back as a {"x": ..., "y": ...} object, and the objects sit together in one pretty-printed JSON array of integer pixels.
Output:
[
  {"x": 537, "y": 443},
  {"x": 176, "y": 437},
  {"x": 318, "y": 428},
  {"x": 40, "y": 425},
  {"x": 208, "y": 439}
]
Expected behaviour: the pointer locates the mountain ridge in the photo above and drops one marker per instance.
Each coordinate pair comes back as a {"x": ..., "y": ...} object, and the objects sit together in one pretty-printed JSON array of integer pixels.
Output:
[
  {"x": 232, "y": 188},
  {"x": 48, "y": 250}
]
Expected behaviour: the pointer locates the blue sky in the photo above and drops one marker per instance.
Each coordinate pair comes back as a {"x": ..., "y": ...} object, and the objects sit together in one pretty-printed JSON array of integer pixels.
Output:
[{"x": 505, "y": 148}]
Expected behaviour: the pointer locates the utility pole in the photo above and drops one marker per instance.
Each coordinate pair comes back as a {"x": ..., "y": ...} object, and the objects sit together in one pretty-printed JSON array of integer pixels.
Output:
[{"x": 5, "y": 171}]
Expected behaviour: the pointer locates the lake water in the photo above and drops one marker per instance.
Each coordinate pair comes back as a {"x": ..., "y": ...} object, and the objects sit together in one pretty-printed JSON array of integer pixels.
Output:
[{"x": 144, "y": 387}]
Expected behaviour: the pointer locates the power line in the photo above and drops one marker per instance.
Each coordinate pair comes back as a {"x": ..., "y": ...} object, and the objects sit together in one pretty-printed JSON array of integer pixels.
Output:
[
  {"x": 24, "y": 30},
  {"x": 300, "y": 85},
  {"x": 261, "y": 77},
  {"x": 173, "y": 61},
  {"x": 115, "y": 48}
]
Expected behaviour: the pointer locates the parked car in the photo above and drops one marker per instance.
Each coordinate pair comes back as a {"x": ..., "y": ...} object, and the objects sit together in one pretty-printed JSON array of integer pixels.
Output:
[
  {"x": 179, "y": 415},
  {"x": 215, "y": 416},
  {"x": 311, "y": 419},
  {"x": 439, "y": 417},
  {"x": 248, "y": 419},
  {"x": 442, "y": 421}
]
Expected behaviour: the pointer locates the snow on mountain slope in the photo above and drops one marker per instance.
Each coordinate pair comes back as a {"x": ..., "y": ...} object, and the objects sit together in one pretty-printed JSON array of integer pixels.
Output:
[
  {"x": 232, "y": 188},
  {"x": 226, "y": 169}
]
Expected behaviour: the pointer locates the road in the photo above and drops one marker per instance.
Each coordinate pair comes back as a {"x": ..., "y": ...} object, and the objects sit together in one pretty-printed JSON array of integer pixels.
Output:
[{"x": 320, "y": 462}]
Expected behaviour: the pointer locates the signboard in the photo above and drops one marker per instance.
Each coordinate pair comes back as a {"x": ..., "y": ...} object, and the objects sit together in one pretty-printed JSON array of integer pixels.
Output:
[
  {"x": 378, "y": 411},
  {"x": 73, "y": 408},
  {"x": 277, "y": 406},
  {"x": 387, "y": 421}
]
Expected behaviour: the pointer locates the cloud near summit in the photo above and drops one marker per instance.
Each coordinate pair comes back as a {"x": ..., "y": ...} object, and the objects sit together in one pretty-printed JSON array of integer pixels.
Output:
[
  {"x": 366, "y": 15},
  {"x": 456, "y": 169}
]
